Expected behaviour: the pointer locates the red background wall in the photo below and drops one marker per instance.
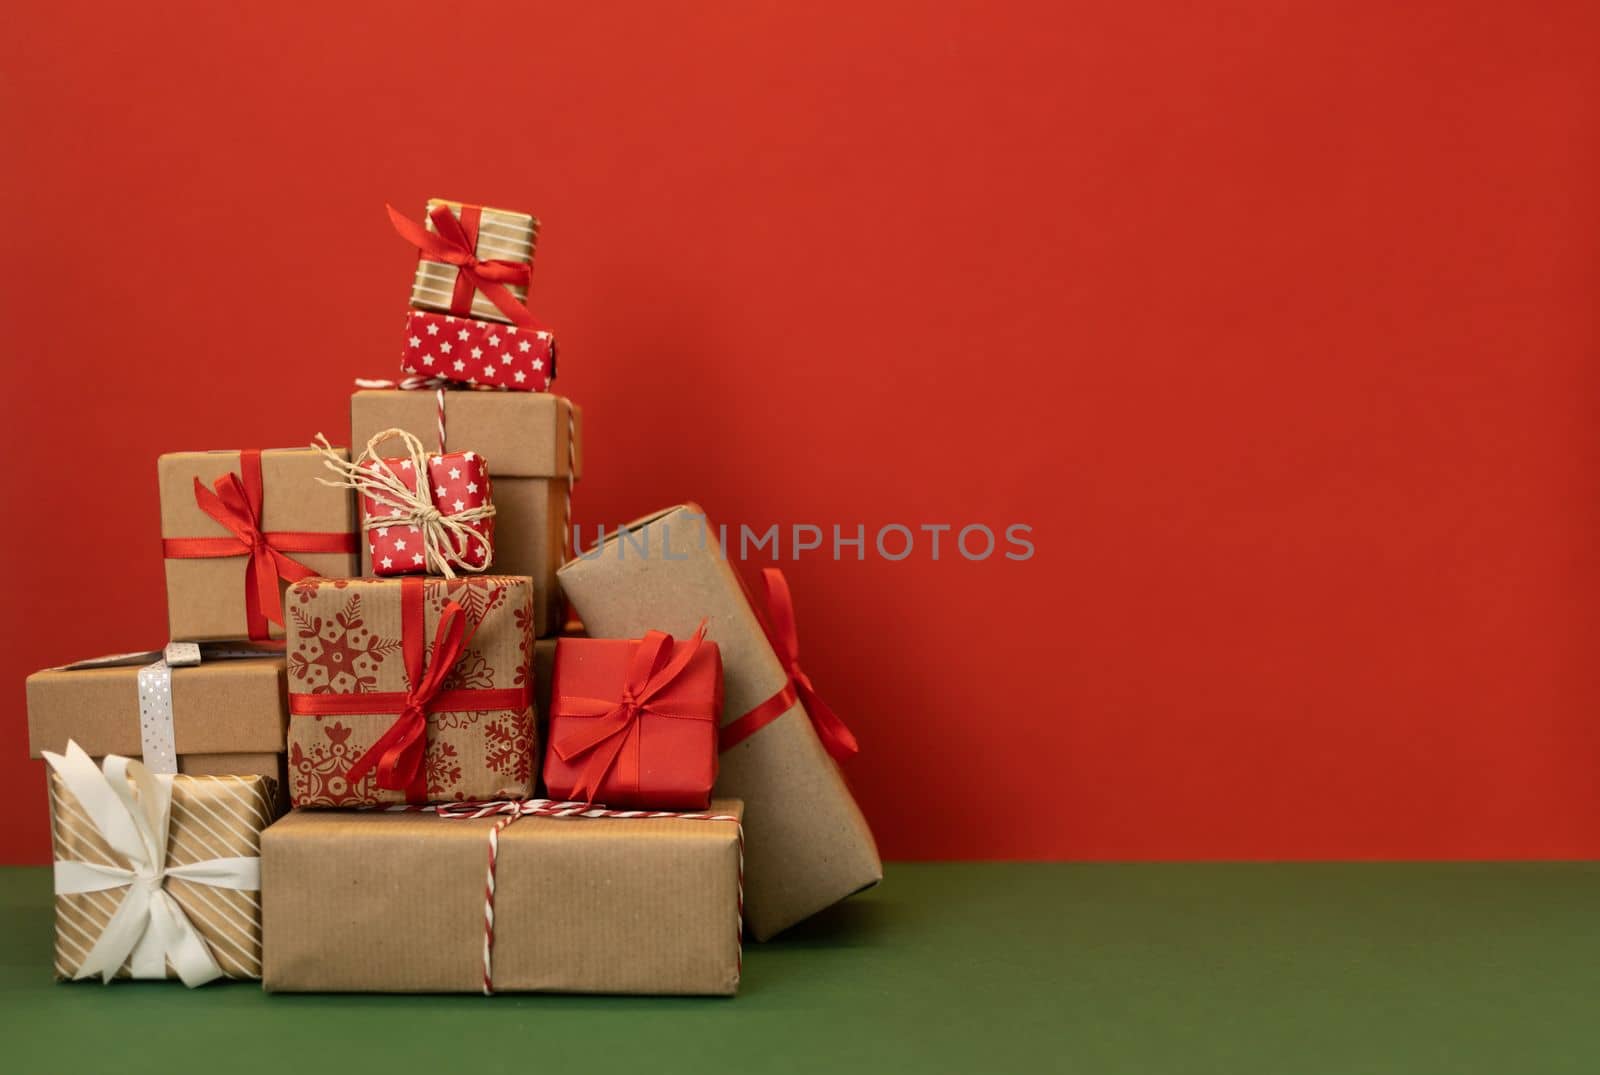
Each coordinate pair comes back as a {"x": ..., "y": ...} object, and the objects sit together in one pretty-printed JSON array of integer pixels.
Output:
[{"x": 1275, "y": 321}]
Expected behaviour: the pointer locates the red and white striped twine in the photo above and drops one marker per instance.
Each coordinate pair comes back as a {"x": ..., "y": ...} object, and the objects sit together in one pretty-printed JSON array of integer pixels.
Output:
[{"x": 507, "y": 811}]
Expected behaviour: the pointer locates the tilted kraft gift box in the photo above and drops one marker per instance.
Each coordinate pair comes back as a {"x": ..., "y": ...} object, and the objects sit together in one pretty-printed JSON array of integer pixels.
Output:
[
  {"x": 410, "y": 689},
  {"x": 809, "y": 845},
  {"x": 227, "y": 714},
  {"x": 394, "y": 902},
  {"x": 236, "y": 526},
  {"x": 533, "y": 442},
  {"x": 119, "y": 857}
]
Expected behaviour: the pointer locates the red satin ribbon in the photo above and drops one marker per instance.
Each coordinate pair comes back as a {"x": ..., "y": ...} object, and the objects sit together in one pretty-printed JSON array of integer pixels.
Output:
[
  {"x": 616, "y": 725},
  {"x": 455, "y": 242},
  {"x": 400, "y": 752},
  {"x": 779, "y": 624},
  {"x": 235, "y": 502}
]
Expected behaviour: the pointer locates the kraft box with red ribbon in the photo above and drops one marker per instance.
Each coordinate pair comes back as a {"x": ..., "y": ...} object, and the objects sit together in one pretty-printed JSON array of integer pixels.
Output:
[
  {"x": 533, "y": 444},
  {"x": 410, "y": 690},
  {"x": 809, "y": 844},
  {"x": 236, "y": 527},
  {"x": 634, "y": 723},
  {"x": 516, "y": 895}
]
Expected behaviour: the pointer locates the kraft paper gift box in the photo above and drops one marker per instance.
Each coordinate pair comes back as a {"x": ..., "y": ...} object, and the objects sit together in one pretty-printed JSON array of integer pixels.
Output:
[
  {"x": 809, "y": 844},
  {"x": 160, "y": 879},
  {"x": 394, "y": 902},
  {"x": 236, "y": 526},
  {"x": 410, "y": 689},
  {"x": 199, "y": 710},
  {"x": 533, "y": 442}
]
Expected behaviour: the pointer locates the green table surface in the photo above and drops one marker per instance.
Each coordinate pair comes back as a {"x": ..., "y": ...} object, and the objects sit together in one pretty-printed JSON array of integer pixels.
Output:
[{"x": 1096, "y": 968}]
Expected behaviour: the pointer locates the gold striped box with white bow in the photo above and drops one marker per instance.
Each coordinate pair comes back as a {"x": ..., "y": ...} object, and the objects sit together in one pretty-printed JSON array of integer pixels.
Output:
[
  {"x": 503, "y": 235},
  {"x": 214, "y": 824}
]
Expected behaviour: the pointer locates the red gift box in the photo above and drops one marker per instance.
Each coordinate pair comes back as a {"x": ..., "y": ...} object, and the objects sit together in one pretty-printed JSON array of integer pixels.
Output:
[
  {"x": 633, "y": 723},
  {"x": 487, "y": 353},
  {"x": 457, "y": 482}
]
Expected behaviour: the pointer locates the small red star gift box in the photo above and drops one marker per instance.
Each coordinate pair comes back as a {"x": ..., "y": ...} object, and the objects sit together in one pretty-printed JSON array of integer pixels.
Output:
[
  {"x": 479, "y": 353},
  {"x": 410, "y": 690},
  {"x": 457, "y": 482},
  {"x": 633, "y": 723}
]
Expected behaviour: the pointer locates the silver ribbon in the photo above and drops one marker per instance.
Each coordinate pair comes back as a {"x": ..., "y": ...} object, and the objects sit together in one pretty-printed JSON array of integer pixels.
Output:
[{"x": 156, "y": 738}]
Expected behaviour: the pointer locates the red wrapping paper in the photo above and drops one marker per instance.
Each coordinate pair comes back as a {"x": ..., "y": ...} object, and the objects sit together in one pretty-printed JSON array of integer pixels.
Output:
[
  {"x": 479, "y": 353},
  {"x": 457, "y": 482},
  {"x": 649, "y": 727}
]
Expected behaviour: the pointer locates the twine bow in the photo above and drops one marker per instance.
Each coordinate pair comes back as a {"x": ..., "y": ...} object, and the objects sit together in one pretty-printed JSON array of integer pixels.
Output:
[
  {"x": 148, "y": 925},
  {"x": 654, "y": 669},
  {"x": 451, "y": 243},
  {"x": 445, "y": 538}
]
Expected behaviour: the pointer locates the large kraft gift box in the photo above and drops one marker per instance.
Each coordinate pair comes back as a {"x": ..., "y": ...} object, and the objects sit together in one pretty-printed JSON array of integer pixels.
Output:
[
  {"x": 809, "y": 845},
  {"x": 533, "y": 444},
  {"x": 581, "y": 904},
  {"x": 227, "y": 715},
  {"x": 360, "y": 648},
  {"x": 221, "y": 586},
  {"x": 210, "y": 870}
]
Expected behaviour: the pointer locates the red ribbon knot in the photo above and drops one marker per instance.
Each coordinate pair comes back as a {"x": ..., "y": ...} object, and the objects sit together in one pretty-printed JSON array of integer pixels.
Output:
[
  {"x": 784, "y": 636},
  {"x": 454, "y": 241},
  {"x": 615, "y": 728}
]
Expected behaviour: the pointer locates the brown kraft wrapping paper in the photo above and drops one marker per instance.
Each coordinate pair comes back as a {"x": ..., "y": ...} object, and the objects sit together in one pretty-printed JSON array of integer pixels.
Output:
[
  {"x": 206, "y": 596},
  {"x": 582, "y": 905},
  {"x": 228, "y": 716},
  {"x": 347, "y": 638},
  {"x": 533, "y": 444},
  {"x": 212, "y": 817},
  {"x": 809, "y": 845}
]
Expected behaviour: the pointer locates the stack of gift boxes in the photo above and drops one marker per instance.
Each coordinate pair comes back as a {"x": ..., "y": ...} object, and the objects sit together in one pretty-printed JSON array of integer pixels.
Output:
[{"x": 380, "y": 756}]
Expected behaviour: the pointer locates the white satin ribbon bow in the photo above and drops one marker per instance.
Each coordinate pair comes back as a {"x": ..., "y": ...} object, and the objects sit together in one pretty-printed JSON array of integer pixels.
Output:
[{"x": 149, "y": 924}]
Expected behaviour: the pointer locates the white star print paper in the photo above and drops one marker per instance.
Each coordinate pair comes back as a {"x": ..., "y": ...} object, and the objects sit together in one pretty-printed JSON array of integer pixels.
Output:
[
  {"x": 454, "y": 482},
  {"x": 522, "y": 361}
]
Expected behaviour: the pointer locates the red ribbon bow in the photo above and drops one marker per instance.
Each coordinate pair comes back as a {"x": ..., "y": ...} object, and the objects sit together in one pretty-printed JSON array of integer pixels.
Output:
[
  {"x": 784, "y": 636},
  {"x": 454, "y": 241},
  {"x": 235, "y": 502},
  {"x": 655, "y": 668},
  {"x": 399, "y": 754}
]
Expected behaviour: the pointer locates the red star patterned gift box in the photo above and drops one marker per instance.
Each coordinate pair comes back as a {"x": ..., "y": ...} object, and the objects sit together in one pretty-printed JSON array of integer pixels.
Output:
[
  {"x": 479, "y": 353},
  {"x": 416, "y": 689},
  {"x": 456, "y": 482}
]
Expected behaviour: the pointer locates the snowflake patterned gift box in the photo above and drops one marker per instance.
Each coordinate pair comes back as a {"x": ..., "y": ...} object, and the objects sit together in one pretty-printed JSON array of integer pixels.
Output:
[
  {"x": 455, "y": 482},
  {"x": 410, "y": 690},
  {"x": 236, "y": 526},
  {"x": 633, "y": 723},
  {"x": 489, "y": 237},
  {"x": 484, "y": 354}
]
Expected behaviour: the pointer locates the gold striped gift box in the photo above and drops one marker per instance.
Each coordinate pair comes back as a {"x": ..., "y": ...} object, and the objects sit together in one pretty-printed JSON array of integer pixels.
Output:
[
  {"x": 212, "y": 817},
  {"x": 503, "y": 235}
]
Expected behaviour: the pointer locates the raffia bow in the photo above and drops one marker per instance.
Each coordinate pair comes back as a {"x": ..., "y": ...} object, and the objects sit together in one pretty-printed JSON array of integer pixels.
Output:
[{"x": 445, "y": 538}]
